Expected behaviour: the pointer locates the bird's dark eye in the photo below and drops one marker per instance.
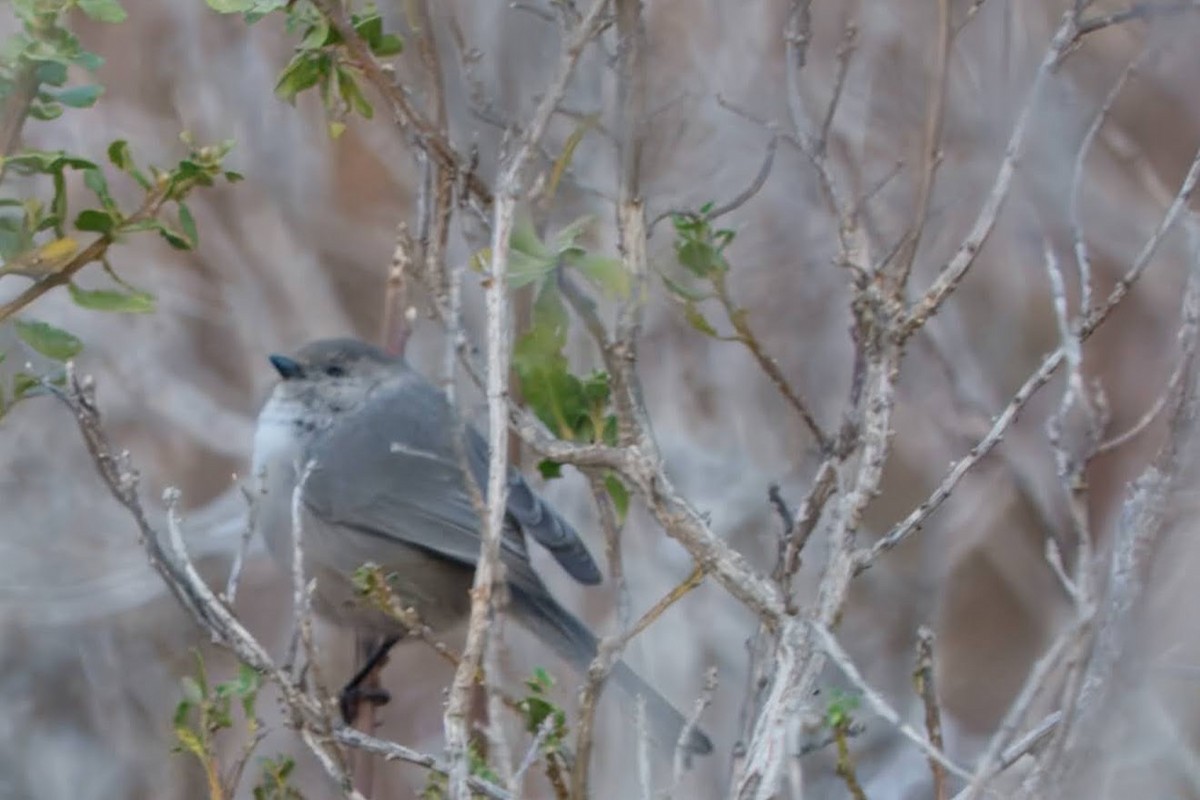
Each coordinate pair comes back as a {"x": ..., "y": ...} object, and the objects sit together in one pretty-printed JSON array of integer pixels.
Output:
[{"x": 334, "y": 371}]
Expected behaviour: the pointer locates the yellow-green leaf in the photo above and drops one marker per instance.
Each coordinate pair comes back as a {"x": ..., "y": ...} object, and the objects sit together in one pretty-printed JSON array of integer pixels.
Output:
[{"x": 106, "y": 300}]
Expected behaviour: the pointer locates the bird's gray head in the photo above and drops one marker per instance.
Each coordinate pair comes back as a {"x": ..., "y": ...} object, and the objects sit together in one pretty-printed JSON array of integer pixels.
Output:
[{"x": 330, "y": 377}]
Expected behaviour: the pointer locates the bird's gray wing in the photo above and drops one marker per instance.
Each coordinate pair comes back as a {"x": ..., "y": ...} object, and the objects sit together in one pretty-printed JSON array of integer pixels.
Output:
[
  {"x": 536, "y": 517},
  {"x": 391, "y": 470}
]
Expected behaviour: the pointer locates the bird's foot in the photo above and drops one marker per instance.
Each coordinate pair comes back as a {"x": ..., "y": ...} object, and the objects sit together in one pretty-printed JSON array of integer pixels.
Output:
[{"x": 353, "y": 696}]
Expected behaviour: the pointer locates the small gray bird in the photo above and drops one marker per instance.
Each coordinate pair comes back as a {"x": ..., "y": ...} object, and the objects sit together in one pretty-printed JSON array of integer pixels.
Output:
[{"x": 386, "y": 486}]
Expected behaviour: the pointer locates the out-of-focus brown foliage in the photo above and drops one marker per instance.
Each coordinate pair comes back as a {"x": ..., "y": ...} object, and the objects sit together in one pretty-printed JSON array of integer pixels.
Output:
[{"x": 90, "y": 644}]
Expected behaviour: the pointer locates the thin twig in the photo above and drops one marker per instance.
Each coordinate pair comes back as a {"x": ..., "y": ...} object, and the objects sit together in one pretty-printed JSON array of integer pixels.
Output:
[
  {"x": 954, "y": 271},
  {"x": 1082, "y": 258},
  {"x": 881, "y": 706},
  {"x": 923, "y": 682},
  {"x": 742, "y": 197},
  {"x": 844, "y": 52},
  {"x": 680, "y": 760},
  {"x": 738, "y": 318},
  {"x": 253, "y": 500},
  {"x": 1142, "y": 11},
  {"x": 931, "y": 144}
]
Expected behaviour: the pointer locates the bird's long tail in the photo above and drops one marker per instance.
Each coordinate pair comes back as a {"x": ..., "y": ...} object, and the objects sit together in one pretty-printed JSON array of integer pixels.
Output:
[{"x": 572, "y": 640}]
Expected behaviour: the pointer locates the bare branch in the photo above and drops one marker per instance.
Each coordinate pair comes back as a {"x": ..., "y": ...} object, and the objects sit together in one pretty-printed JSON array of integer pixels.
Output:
[
  {"x": 679, "y": 762},
  {"x": 923, "y": 682},
  {"x": 742, "y": 197},
  {"x": 1142, "y": 11},
  {"x": 844, "y": 52},
  {"x": 396, "y": 752},
  {"x": 931, "y": 144},
  {"x": 252, "y": 498},
  {"x": 1083, "y": 260},
  {"x": 1039, "y": 378},
  {"x": 954, "y": 271}
]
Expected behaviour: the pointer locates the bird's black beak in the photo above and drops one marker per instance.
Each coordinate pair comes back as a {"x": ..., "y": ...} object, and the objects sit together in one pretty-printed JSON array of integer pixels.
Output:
[{"x": 287, "y": 367}]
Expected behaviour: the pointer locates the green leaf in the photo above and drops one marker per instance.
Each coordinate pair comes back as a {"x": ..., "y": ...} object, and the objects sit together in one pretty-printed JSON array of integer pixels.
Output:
[
  {"x": 369, "y": 27},
  {"x": 190, "y": 741},
  {"x": 566, "y": 237},
  {"x": 120, "y": 155},
  {"x": 697, "y": 320},
  {"x": 699, "y": 257},
  {"x": 233, "y": 177},
  {"x": 173, "y": 238},
  {"x": 608, "y": 274},
  {"x": 95, "y": 220},
  {"x": 107, "y": 300},
  {"x": 23, "y": 383},
  {"x": 352, "y": 95},
  {"x": 303, "y": 72},
  {"x": 619, "y": 494},
  {"x": 524, "y": 239},
  {"x": 188, "y": 224},
  {"x": 48, "y": 340},
  {"x": 103, "y": 10},
  {"x": 524, "y": 270},
  {"x": 94, "y": 179},
  {"x": 80, "y": 96},
  {"x": 53, "y": 73},
  {"x": 388, "y": 45},
  {"x": 182, "y": 711},
  {"x": 89, "y": 61},
  {"x": 47, "y": 161},
  {"x": 45, "y": 110},
  {"x": 550, "y": 469},
  {"x": 193, "y": 691},
  {"x": 542, "y": 681},
  {"x": 319, "y": 35},
  {"x": 684, "y": 292},
  {"x": 230, "y": 6}
]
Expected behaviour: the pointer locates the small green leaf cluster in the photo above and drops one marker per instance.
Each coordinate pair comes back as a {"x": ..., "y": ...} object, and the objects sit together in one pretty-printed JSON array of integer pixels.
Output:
[
  {"x": 700, "y": 249},
  {"x": 321, "y": 59},
  {"x": 575, "y": 407},
  {"x": 37, "y": 58},
  {"x": 437, "y": 786},
  {"x": 39, "y": 237},
  {"x": 840, "y": 708},
  {"x": 538, "y": 710},
  {"x": 275, "y": 780}
]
